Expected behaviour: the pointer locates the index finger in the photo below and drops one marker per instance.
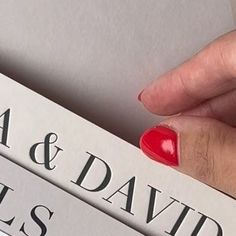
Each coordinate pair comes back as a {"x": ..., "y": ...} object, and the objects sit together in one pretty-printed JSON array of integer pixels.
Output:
[{"x": 208, "y": 74}]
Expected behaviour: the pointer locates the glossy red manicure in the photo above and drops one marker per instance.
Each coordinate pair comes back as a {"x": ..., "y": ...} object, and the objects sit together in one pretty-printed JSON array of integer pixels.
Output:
[{"x": 160, "y": 144}]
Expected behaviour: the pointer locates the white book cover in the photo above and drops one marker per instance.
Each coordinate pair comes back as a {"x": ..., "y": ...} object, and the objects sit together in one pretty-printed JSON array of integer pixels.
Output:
[
  {"x": 30, "y": 206},
  {"x": 105, "y": 171}
]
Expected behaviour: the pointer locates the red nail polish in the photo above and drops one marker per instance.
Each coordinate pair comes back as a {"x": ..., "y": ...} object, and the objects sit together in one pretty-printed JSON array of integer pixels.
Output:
[
  {"x": 160, "y": 144},
  {"x": 139, "y": 96}
]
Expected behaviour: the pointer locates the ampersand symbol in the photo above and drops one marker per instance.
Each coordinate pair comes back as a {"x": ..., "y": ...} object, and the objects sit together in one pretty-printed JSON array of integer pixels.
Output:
[{"x": 49, "y": 139}]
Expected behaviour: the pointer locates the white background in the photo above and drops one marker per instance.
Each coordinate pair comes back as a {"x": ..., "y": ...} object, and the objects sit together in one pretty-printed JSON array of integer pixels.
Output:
[{"x": 94, "y": 57}]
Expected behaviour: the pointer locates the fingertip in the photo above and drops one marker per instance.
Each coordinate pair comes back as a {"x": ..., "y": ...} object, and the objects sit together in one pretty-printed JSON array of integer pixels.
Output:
[
  {"x": 140, "y": 96},
  {"x": 157, "y": 99}
]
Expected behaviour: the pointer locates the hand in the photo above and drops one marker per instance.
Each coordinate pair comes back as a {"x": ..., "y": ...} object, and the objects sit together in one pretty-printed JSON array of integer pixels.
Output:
[{"x": 201, "y": 140}]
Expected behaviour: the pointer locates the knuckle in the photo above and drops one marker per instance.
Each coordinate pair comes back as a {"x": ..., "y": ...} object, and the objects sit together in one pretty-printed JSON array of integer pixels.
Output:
[
  {"x": 185, "y": 85},
  {"x": 225, "y": 50},
  {"x": 208, "y": 154},
  {"x": 221, "y": 53},
  {"x": 205, "y": 156}
]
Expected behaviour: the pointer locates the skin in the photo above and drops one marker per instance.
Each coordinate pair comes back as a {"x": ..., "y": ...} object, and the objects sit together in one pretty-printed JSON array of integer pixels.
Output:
[{"x": 203, "y": 91}]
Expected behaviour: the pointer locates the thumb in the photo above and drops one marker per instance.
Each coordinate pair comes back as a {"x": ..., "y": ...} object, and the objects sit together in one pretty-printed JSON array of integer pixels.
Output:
[{"x": 202, "y": 148}]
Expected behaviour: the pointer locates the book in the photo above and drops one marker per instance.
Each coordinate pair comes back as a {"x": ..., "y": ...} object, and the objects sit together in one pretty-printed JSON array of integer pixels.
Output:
[
  {"x": 29, "y": 205},
  {"x": 3, "y": 233},
  {"x": 106, "y": 172}
]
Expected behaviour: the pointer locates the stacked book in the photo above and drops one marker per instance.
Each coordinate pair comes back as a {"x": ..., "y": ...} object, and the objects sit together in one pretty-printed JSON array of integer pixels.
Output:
[{"x": 64, "y": 176}]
